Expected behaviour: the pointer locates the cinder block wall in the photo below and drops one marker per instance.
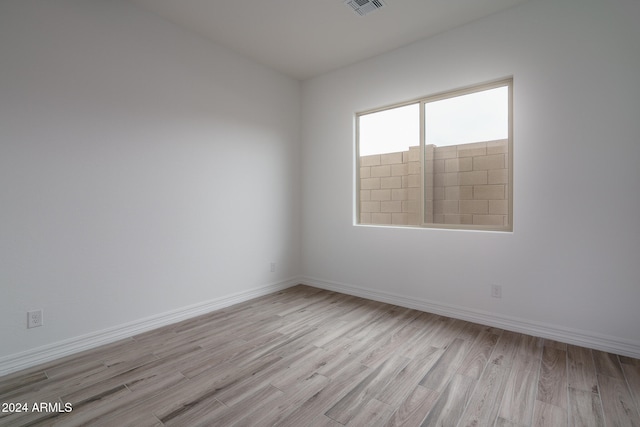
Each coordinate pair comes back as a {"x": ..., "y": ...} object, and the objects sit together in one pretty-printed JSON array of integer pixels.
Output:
[
  {"x": 390, "y": 188},
  {"x": 470, "y": 183},
  {"x": 464, "y": 184}
]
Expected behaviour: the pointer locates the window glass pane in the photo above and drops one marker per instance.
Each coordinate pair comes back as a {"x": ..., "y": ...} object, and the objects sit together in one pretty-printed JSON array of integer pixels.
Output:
[
  {"x": 389, "y": 131},
  {"x": 389, "y": 148},
  {"x": 466, "y": 180},
  {"x": 479, "y": 116}
]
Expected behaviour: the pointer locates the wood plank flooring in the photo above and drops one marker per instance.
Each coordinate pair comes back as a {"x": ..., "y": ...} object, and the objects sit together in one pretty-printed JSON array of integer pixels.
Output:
[{"x": 310, "y": 357}]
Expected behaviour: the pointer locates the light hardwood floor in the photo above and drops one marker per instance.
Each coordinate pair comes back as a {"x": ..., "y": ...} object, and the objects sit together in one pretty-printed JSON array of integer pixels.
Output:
[{"x": 309, "y": 357}]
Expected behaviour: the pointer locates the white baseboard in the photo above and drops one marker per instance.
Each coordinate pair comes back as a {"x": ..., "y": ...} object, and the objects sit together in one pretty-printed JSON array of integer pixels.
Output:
[
  {"x": 36, "y": 356},
  {"x": 558, "y": 333},
  {"x": 29, "y": 358}
]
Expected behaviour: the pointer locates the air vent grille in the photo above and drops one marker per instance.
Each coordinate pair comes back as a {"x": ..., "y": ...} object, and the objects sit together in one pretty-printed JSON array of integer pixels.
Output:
[{"x": 363, "y": 7}]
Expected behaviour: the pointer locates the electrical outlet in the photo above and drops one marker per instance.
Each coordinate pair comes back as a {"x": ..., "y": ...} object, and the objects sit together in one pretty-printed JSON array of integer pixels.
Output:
[
  {"x": 496, "y": 291},
  {"x": 273, "y": 267},
  {"x": 34, "y": 319}
]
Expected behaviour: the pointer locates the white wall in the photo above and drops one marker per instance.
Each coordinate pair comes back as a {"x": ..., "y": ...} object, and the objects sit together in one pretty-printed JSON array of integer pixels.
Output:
[
  {"x": 573, "y": 260},
  {"x": 142, "y": 170}
]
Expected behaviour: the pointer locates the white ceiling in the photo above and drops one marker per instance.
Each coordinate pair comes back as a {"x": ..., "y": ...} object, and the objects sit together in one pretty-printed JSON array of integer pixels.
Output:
[{"x": 305, "y": 38}]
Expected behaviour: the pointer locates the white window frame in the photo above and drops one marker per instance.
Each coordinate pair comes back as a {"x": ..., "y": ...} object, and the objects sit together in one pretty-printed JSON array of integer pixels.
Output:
[{"x": 505, "y": 82}]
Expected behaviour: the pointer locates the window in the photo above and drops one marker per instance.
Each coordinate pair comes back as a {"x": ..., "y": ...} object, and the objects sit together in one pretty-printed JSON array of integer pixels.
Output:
[{"x": 442, "y": 161}]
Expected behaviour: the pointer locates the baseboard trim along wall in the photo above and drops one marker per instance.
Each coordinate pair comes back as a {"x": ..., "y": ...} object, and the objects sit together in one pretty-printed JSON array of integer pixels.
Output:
[
  {"x": 47, "y": 353},
  {"x": 36, "y": 356},
  {"x": 567, "y": 335}
]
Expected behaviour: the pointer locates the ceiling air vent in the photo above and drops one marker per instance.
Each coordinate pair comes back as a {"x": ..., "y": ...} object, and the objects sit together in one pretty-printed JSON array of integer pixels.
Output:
[{"x": 362, "y": 7}]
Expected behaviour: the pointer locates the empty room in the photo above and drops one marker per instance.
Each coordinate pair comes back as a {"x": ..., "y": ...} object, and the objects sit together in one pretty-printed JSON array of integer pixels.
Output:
[{"x": 319, "y": 213}]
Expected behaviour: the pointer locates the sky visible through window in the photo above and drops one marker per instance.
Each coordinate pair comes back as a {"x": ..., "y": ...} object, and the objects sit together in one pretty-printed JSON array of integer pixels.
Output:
[
  {"x": 389, "y": 131},
  {"x": 478, "y": 116}
]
